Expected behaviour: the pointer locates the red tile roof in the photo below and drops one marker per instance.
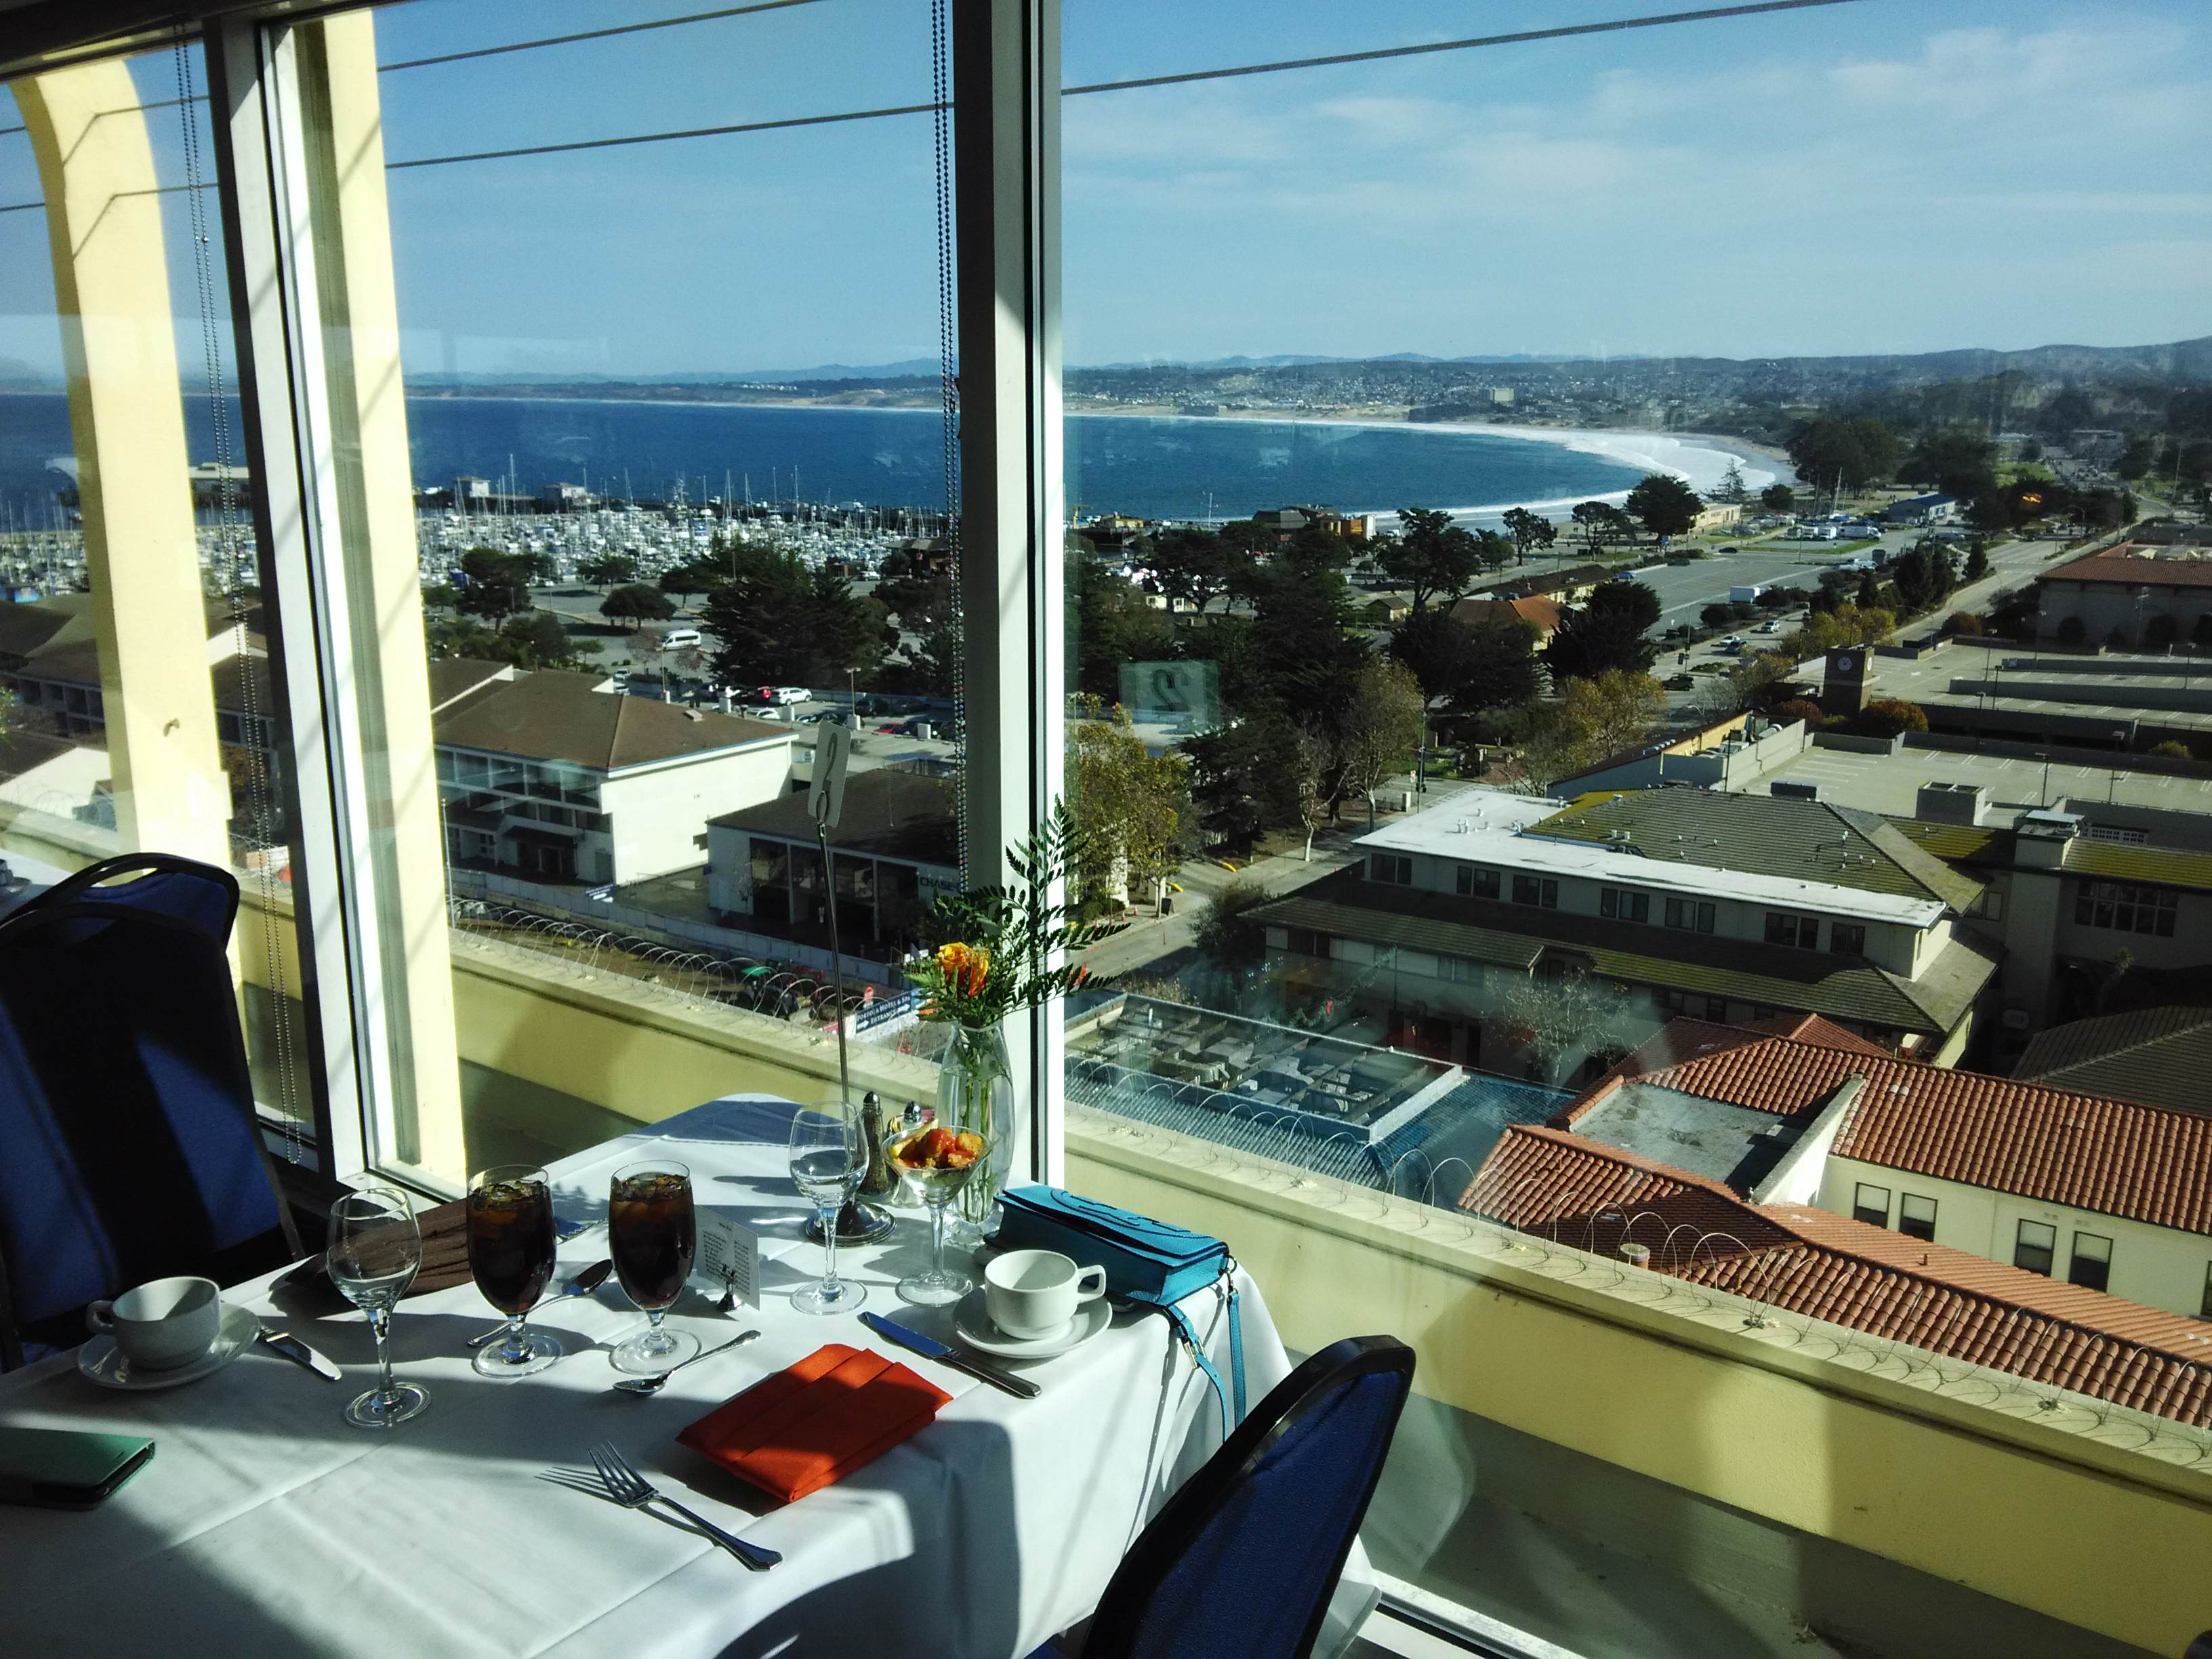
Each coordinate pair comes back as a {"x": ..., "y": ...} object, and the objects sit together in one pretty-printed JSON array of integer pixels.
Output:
[
  {"x": 2147, "y": 1163},
  {"x": 2137, "y": 566},
  {"x": 1811, "y": 1028},
  {"x": 1828, "y": 1267}
]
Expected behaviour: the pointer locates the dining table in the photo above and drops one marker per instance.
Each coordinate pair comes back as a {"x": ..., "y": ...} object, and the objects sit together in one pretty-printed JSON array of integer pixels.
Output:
[{"x": 264, "y": 1522}]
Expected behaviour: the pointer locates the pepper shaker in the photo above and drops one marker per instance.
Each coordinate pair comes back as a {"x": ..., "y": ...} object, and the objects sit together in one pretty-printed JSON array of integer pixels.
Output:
[{"x": 880, "y": 1180}]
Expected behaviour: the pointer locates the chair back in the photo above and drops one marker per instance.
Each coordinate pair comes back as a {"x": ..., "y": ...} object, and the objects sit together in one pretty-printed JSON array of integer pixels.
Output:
[
  {"x": 130, "y": 1149},
  {"x": 1240, "y": 1562}
]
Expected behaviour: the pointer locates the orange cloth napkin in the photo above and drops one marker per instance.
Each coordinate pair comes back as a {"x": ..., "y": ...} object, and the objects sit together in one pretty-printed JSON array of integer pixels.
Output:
[{"x": 836, "y": 1410}]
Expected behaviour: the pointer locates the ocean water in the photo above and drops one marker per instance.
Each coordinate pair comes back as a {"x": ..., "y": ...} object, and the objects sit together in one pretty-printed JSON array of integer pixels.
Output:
[{"x": 1185, "y": 467}]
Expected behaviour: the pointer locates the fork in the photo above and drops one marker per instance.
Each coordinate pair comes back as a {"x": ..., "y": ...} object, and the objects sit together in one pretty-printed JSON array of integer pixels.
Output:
[{"x": 633, "y": 1491}]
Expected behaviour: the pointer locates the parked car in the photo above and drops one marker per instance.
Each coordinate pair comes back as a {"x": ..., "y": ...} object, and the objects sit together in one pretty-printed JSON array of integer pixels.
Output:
[
  {"x": 824, "y": 717},
  {"x": 790, "y": 694},
  {"x": 1733, "y": 642}
]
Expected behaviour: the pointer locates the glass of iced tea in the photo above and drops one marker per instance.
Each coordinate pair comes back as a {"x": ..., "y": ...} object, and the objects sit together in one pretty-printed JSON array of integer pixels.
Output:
[
  {"x": 511, "y": 1257},
  {"x": 652, "y": 1235}
]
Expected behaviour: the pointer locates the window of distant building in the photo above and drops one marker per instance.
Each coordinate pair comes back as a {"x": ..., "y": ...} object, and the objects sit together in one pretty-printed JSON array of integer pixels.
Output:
[
  {"x": 1717, "y": 1008},
  {"x": 1531, "y": 890},
  {"x": 2092, "y": 1266},
  {"x": 1916, "y": 1216},
  {"x": 1305, "y": 942},
  {"x": 1803, "y": 933},
  {"x": 2125, "y": 909},
  {"x": 1871, "y": 1205},
  {"x": 1690, "y": 914},
  {"x": 1847, "y": 938},
  {"x": 1623, "y": 904},
  {"x": 1394, "y": 868},
  {"x": 1477, "y": 882},
  {"x": 2033, "y": 1247}
]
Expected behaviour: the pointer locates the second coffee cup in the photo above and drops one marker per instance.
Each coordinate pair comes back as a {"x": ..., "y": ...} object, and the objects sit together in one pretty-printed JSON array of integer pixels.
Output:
[{"x": 162, "y": 1324}]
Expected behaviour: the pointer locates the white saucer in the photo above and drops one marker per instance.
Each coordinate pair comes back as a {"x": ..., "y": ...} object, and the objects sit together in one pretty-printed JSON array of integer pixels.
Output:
[
  {"x": 974, "y": 1327},
  {"x": 102, "y": 1362}
]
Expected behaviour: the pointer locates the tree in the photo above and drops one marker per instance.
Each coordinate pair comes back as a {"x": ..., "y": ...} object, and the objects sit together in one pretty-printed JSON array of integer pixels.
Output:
[
  {"x": 1240, "y": 784},
  {"x": 1609, "y": 714},
  {"x": 1666, "y": 505},
  {"x": 493, "y": 584},
  {"x": 1601, "y": 523},
  {"x": 1606, "y": 632},
  {"x": 1501, "y": 672},
  {"x": 637, "y": 602},
  {"x": 688, "y": 582},
  {"x": 1977, "y": 560},
  {"x": 925, "y": 608},
  {"x": 1431, "y": 556},
  {"x": 1843, "y": 451},
  {"x": 2134, "y": 461},
  {"x": 1130, "y": 807},
  {"x": 1532, "y": 532},
  {"x": 1379, "y": 730},
  {"x": 1111, "y": 625},
  {"x": 1886, "y": 717},
  {"x": 1559, "y": 1020},
  {"x": 1778, "y": 498},
  {"x": 782, "y": 624},
  {"x": 604, "y": 570},
  {"x": 1732, "y": 490},
  {"x": 1225, "y": 932},
  {"x": 1955, "y": 459},
  {"x": 1193, "y": 566},
  {"x": 1436, "y": 649},
  {"x": 1922, "y": 575}
]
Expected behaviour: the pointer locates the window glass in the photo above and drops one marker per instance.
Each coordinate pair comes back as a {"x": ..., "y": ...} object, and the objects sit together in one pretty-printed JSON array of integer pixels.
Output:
[
  {"x": 1847, "y": 938},
  {"x": 1871, "y": 1205},
  {"x": 137, "y": 708},
  {"x": 2033, "y": 1246},
  {"x": 1917, "y": 1216},
  {"x": 658, "y": 547},
  {"x": 2092, "y": 1264}
]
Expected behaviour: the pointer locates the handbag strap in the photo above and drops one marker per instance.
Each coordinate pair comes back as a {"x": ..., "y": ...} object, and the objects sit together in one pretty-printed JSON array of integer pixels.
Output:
[{"x": 1180, "y": 1323}]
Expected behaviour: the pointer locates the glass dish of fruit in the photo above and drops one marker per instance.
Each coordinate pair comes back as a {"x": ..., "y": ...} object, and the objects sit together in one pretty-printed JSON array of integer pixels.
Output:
[{"x": 939, "y": 1161}]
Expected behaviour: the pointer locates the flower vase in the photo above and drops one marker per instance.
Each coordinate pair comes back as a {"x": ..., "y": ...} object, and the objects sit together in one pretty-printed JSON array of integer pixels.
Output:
[{"x": 976, "y": 1091}]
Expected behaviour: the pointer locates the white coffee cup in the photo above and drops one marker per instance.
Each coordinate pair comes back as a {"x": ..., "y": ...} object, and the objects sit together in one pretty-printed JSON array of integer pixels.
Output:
[
  {"x": 1033, "y": 1294},
  {"x": 162, "y": 1324}
]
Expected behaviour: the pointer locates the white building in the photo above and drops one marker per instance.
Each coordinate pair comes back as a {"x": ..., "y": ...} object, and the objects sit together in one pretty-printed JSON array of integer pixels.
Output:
[{"x": 555, "y": 776}]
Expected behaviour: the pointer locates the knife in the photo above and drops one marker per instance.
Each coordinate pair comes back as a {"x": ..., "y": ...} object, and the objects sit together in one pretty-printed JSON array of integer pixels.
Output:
[
  {"x": 298, "y": 1353},
  {"x": 930, "y": 1348}
]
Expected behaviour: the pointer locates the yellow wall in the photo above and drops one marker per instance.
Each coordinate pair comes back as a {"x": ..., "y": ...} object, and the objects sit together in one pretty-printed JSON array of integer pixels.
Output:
[{"x": 1935, "y": 1483}]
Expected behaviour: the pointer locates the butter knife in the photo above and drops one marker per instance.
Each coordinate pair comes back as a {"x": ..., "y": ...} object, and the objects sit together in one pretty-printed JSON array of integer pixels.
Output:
[
  {"x": 944, "y": 1354},
  {"x": 298, "y": 1353}
]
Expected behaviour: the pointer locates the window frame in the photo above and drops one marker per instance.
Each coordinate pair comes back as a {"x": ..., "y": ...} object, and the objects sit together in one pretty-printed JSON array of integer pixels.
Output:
[
  {"x": 1875, "y": 1215},
  {"x": 2023, "y": 1252},
  {"x": 2091, "y": 1272},
  {"x": 1910, "y": 1225}
]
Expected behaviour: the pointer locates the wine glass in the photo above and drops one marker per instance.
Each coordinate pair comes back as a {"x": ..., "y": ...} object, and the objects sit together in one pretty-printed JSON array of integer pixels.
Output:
[
  {"x": 375, "y": 1249},
  {"x": 829, "y": 1156},
  {"x": 653, "y": 1233},
  {"x": 940, "y": 1163},
  {"x": 511, "y": 1253}
]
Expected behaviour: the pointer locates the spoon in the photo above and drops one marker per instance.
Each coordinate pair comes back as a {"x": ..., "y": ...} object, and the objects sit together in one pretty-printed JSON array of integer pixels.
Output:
[
  {"x": 583, "y": 1284},
  {"x": 654, "y": 1384}
]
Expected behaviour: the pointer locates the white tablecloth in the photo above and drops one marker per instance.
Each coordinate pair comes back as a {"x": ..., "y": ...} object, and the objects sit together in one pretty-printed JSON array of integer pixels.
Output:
[{"x": 265, "y": 1524}]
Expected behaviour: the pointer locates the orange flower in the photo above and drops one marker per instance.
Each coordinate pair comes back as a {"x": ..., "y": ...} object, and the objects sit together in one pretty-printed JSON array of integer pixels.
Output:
[{"x": 965, "y": 966}]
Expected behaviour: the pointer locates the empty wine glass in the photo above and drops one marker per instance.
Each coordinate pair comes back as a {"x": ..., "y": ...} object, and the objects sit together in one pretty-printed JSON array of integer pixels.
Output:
[
  {"x": 829, "y": 1156},
  {"x": 939, "y": 1162},
  {"x": 375, "y": 1250}
]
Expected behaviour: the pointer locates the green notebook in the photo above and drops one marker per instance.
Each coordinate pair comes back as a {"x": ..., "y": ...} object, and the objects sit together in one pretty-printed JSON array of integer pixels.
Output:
[{"x": 66, "y": 1468}]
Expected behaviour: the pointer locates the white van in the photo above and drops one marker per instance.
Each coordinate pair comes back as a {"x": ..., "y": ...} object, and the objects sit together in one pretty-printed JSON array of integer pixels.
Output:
[
  {"x": 679, "y": 639},
  {"x": 788, "y": 695}
]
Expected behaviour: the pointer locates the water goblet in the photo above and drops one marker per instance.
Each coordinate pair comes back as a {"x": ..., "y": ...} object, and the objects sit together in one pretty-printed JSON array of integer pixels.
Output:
[
  {"x": 511, "y": 1256},
  {"x": 829, "y": 1155},
  {"x": 940, "y": 1163},
  {"x": 653, "y": 1233},
  {"x": 375, "y": 1250}
]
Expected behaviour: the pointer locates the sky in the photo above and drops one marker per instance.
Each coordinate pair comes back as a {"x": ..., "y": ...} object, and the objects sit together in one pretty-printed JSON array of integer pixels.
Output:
[{"x": 1880, "y": 176}]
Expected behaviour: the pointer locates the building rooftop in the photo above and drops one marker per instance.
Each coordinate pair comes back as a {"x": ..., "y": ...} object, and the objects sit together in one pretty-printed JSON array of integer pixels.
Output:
[
  {"x": 1890, "y": 784},
  {"x": 1846, "y": 1273},
  {"x": 887, "y": 814},
  {"x": 2099, "y": 705},
  {"x": 2120, "y": 1158},
  {"x": 453, "y": 679},
  {"x": 1547, "y": 582},
  {"x": 1515, "y": 936},
  {"x": 1732, "y": 1145},
  {"x": 2138, "y": 564},
  {"x": 552, "y": 715},
  {"x": 2160, "y": 1056},
  {"x": 1810, "y": 844}
]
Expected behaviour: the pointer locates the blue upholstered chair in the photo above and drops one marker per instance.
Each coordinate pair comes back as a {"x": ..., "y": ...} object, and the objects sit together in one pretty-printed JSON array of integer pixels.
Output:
[
  {"x": 128, "y": 1145},
  {"x": 1241, "y": 1561}
]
